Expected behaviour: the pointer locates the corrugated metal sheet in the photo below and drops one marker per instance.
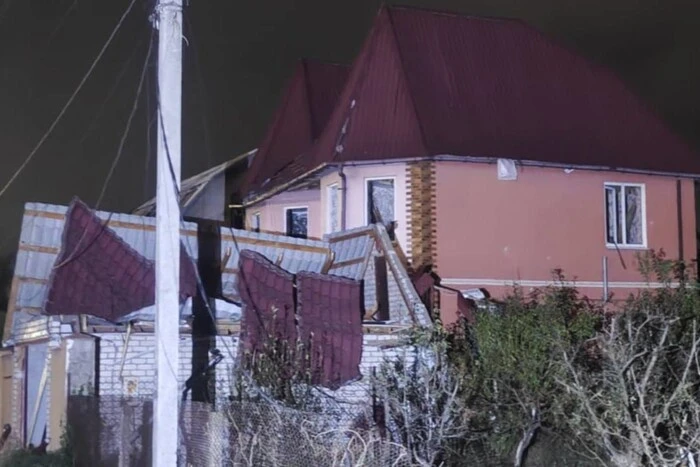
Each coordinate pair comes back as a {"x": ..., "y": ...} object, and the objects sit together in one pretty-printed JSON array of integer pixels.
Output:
[
  {"x": 306, "y": 105},
  {"x": 192, "y": 188},
  {"x": 330, "y": 311},
  {"x": 97, "y": 273},
  {"x": 40, "y": 241},
  {"x": 291, "y": 254},
  {"x": 351, "y": 251},
  {"x": 268, "y": 306}
]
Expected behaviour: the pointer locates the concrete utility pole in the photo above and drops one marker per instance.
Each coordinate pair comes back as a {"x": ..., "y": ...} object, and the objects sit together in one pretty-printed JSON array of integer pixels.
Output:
[{"x": 168, "y": 20}]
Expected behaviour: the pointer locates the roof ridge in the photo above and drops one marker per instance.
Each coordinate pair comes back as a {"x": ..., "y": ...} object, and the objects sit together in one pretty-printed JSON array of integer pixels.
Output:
[
  {"x": 445, "y": 12},
  {"x": 254, "y": 170},
  {"x": 370, "y": 43},
  {"x": 406, "y": 81}
]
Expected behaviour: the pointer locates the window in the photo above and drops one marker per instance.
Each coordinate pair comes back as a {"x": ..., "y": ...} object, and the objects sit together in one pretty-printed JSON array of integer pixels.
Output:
[
  {"x": 380, "y": 201},
  {"x": 625, "y": 219},
  {"x": 296, "y": 222},
  {"x": 255, "y": 222},
  {"x": 333, "y": 207}
]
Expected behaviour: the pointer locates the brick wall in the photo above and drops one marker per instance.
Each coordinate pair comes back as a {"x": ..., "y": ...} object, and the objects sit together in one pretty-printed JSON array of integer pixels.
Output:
[
  {"x": 420, "y": 212},
  {"x": 138, "y": 377},
  {"x": 398, "y": 311},
  {"x": 373, "y": 355}
]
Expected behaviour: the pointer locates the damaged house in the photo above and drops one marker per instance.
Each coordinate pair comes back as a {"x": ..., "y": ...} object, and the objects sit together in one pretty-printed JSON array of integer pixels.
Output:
[
  {"x": 494, "y": 154},
  {"x": 81, "y": 315}
]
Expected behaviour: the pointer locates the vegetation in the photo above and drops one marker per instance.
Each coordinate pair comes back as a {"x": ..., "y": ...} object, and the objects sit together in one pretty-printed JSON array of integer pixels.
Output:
[
  {"x": 614, "y": 386},
  {"x": 548, "y": 378},
  {"x": 62, "y": 457}
]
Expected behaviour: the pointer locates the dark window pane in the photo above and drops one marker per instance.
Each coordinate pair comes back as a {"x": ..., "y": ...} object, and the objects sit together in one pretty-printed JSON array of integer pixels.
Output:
[{"x": 297, "y": 220}]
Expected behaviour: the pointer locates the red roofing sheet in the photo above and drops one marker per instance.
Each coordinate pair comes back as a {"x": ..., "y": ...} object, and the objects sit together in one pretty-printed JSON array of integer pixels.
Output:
[
  {"x": 267, "y": 293},
  {"x": 424, "y": 279},
  {"x": 306, "y": 105},
  {"x": 330, "y": 310},
  {"x": 97, "y": 273}
]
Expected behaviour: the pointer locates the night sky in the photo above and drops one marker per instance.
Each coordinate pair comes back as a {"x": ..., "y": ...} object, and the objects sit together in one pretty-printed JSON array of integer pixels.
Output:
[{"x": 239, "y": 56}]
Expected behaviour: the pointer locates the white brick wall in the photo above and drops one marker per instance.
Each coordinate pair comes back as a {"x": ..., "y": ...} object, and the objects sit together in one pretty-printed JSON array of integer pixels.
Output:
[
  {"x": 373, "y": 355},
  {"x": 139, "y": 373},
  {"x": 228, "y": 346},
  {"x": 138, "y": 378}
]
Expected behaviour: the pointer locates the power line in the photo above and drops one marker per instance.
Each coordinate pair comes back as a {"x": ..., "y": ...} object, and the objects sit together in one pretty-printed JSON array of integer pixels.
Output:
[
  {"x": 110, "y": 94},
  {"x": 115, "y": 162},
  {"x": 59, "y": 26},
  {"x": 134, "y": 107},
  {"x": 70, "y": 100}
]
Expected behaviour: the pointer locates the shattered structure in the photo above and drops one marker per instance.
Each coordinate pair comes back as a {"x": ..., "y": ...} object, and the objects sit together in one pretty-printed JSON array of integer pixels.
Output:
[{"x": 80, "y": 318}]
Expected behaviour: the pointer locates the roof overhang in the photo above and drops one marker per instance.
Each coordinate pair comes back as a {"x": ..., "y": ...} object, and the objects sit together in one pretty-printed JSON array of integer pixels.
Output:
[{"x": 297, "y": 182}]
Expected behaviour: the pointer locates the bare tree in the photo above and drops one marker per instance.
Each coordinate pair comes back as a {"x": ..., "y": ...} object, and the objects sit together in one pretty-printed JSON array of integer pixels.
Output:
[
  {"x": 639, "y": 406},
  {"x": 421, "y": 399}
]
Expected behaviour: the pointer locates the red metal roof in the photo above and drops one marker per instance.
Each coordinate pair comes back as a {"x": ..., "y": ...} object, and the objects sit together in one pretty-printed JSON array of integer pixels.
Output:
[
  {"x": 327, "y": 309},
  {"x": 431, "y": 83},
  {"x": 267, "y": 293},
  {"x": 97, "y": 273},
  {"x": 305, "y": 108},
  {"x": 330, "y": 310}
]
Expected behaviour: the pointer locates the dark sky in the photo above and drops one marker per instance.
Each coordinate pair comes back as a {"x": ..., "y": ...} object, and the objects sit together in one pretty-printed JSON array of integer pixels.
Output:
[{"x": 246, "y": 49}]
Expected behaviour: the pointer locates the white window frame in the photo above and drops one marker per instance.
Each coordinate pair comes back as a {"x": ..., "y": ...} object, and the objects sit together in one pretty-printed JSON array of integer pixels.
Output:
[
  {"x": 329, "y": 190},
  {"x": 257, "y": 216},
  {"x": 625, "y": 245},
  {"x": 288, "y": 208},
  {"x": 365, "y": 206}
]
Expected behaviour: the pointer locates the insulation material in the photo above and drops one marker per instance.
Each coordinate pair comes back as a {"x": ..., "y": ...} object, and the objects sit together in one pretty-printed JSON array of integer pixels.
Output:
[
  {"x": 97, "y": 273},
  {"x": 330, "y": 311},
  {"x": 267, "y": 293}
]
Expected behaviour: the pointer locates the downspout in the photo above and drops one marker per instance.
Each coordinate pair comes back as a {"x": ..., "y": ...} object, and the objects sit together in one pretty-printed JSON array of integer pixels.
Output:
[{"x": 343, "y": 197}]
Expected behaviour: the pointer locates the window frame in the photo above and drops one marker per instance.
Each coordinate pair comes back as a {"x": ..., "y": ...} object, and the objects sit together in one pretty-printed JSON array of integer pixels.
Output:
[
  {"x": 365, "y": 206},
  {"x": 622, "y": 186},
  {"x": 329, "y": 189},
  {"x": 286, "y": 216}
]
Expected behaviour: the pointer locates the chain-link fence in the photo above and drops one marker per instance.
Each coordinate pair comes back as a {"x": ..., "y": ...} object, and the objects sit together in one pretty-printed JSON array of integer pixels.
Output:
[{"x": 116, "y": 431}]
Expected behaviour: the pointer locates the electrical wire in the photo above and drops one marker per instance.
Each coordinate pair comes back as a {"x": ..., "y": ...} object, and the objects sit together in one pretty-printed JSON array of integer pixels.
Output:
[
  {"x": 120, "y": 150},
  {"x": 58, "y": 27},
  {"x": 112, "y": 90},
  {"x": 70, "y": 101}
]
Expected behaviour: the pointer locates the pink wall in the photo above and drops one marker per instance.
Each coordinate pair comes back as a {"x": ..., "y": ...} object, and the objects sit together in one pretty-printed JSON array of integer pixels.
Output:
[
  {"x": 356, "y": 178},
  {"x": 272, "y": 216},
  {"x": 492, "y": 232}
]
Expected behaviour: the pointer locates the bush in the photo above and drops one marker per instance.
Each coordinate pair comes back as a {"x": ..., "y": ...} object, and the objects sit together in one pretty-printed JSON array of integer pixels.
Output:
[{"x": 62, "y": 457}]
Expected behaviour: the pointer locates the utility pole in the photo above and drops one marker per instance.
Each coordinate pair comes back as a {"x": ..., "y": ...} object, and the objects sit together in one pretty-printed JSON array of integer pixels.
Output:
[{"x": 168, "y": 20}]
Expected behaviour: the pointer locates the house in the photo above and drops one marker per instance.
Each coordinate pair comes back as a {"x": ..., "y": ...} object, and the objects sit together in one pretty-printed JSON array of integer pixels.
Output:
[
  {"x": 205, "y": 196},
  {"x": 81, "y": 317},
  {"x": 493, "y": 154}
]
